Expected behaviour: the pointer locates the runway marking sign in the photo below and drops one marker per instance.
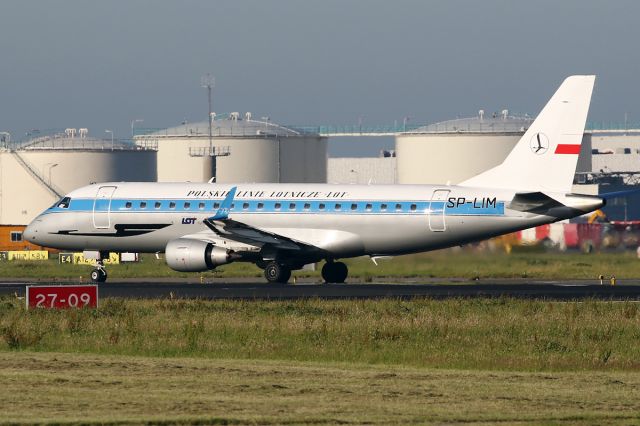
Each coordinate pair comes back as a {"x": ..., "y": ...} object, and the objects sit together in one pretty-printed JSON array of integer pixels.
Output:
[{"x": 61, "y": 296}]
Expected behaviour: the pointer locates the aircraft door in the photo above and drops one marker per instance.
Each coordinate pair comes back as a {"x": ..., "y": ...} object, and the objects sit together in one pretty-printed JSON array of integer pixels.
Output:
[
  {"x": 102, "y": 207},
  {"x": 437, "y": 207}
]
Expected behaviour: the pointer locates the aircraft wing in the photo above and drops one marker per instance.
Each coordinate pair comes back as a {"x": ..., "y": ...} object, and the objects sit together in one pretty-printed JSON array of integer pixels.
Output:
[
  {"x": 237, "y": 231},
  {"x": 230, "y": 229}
]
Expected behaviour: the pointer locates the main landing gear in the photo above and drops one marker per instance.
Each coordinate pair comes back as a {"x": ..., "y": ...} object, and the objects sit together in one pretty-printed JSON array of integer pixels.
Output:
[
  {"x": 335, "y": 272},
  {"x": 332, "y": 272},
  {"x": 276, "y": 272}
]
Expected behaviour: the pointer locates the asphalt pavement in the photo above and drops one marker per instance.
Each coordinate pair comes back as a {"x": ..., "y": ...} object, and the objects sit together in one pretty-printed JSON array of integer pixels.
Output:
[{"x": 555, "y": 290}]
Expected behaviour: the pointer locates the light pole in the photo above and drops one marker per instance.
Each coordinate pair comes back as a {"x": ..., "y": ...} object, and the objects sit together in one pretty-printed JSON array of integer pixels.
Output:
[
  {"x": 404, "y": 123},
  {"x": 133, "y": 123},
  {"x": 208, "y": 81},
  {"x": 50, "y": 166},
  {"x": 110, "y": 131}
]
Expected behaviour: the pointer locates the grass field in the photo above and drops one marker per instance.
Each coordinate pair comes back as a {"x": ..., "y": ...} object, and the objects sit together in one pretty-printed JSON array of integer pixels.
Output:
[
  {"x": 485, "y": 334},
  {"x": 321, "y": 362},
  {"x": 441, "y": 264}
]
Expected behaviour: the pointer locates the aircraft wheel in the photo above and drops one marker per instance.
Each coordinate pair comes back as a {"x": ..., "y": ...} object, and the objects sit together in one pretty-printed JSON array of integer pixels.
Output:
[
  {"x": 277, "y": 273},
  {"x": 334, "y": 272},
  {"x": 98, "y": 275},
  {"x": 341, "y": 272}
]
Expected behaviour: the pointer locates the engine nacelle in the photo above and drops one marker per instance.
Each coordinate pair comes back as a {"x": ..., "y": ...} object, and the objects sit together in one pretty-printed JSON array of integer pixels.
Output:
[{"x": 188, "y": 255}]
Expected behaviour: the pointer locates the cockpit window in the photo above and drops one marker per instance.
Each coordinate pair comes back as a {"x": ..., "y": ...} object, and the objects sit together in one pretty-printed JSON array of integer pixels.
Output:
[{"x": 63, "y": 203}]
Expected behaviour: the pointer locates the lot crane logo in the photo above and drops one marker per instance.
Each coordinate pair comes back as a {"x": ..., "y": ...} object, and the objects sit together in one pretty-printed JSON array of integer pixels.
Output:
[{"x": 539, "y": 143}]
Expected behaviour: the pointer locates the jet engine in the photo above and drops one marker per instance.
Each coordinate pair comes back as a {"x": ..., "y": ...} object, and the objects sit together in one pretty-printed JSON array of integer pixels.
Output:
[{"x": 189, "y": 255}]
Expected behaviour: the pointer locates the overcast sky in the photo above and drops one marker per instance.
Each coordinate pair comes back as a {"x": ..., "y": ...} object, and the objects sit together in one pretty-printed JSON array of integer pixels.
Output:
[{"x": 102, "y": 64}]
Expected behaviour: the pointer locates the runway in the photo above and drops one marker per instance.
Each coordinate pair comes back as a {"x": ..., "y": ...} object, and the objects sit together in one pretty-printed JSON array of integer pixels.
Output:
[{"x": 553, "y": 290}]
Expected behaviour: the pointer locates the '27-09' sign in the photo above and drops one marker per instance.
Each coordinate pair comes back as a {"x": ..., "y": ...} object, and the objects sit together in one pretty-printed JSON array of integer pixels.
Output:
[{"x": 62, "y": 296}]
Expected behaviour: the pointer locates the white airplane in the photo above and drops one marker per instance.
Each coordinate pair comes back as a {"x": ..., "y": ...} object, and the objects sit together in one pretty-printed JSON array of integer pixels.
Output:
[{"x": 282, "y": 227}]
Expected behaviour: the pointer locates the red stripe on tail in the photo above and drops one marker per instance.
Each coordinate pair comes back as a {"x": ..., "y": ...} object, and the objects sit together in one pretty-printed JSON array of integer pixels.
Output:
[{"x": 564, "y": 148}]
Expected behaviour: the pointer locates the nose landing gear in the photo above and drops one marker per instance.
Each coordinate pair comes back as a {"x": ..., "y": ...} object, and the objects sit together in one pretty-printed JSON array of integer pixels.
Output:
[{"x": 99, "y": 274}]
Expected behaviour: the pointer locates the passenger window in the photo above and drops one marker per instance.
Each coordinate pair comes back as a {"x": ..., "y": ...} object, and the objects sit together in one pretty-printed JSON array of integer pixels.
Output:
[
  {"x": 260, "y": 206},
  {"x": 245, "y": 206},
  {"x": 292, "y": 206},
  {"x": 233, "y": 206},
  {"x": 201, "y": 206},
  {"x": 338, "y": 207},
  {"x": 127, "y": 205},
  {"x": 321, "y": 206},
  {"x": 368, "y": 207},
  {"x": 383, "y": 207},
  {"x": 143, "y": 204},
  {"x": 354, "y": 207},
  {"x": 157, "y": 205},
  {"x": 307, "y": 206},
  {"x": 277, "y": 206},
  {"x": 16, "y": 236},
  {"x": 187, "y": 206},
  {"x": 398, "y": 207},
  {"x": 413, "y": 207},
  {"x": 172, "y": 205},
  {"x": 216, "y": 205}
]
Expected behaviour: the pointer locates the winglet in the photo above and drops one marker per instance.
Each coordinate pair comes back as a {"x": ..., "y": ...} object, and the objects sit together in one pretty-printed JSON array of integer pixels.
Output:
[{"x": 223, "y": 212}]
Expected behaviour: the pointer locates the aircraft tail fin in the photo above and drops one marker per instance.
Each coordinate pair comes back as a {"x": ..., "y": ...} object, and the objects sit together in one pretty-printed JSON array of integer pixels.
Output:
[{"x": 545, "y": 158}]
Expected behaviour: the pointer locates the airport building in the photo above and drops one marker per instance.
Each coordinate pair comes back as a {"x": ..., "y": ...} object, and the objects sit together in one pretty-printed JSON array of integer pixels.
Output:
[
  {"x": 240, "y": 150},
  {"x": 36, "y": 173},
  {"x": 614, "y": 166}
]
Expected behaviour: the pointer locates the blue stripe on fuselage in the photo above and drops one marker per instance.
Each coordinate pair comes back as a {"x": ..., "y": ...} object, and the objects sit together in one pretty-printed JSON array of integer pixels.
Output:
[{"x": 253, "y": 206}]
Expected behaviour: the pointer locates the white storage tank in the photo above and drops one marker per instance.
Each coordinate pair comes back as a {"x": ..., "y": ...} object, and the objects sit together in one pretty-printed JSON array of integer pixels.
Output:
[
  {"x": 452, "y": 151},
  {"x": 241, "y": 150},
  {"x": 36, "y": 173},
  {"x": 455, "y": 150}
]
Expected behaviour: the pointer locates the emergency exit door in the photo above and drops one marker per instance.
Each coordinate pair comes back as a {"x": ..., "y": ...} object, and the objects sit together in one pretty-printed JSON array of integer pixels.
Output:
[
  {"x": 102, "y": 207},
  {"x": 437, "y": 206}
]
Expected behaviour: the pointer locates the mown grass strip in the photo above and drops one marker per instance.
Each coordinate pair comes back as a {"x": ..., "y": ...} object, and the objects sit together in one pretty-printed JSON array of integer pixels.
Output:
[
  {"x": 502, "y": 334},
  {"x": 58, "y": 388}
]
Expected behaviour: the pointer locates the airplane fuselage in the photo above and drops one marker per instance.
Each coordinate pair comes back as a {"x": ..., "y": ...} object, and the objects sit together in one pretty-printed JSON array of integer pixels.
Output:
[{"x": 343, "y": 220}]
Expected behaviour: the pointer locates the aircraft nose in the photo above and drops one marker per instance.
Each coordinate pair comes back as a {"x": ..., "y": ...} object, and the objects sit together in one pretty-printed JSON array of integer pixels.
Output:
[{"x": 31, "y": 232}]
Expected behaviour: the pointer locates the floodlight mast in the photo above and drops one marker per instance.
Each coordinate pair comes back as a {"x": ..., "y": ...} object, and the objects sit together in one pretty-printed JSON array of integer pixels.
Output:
[{"x": 208, "y": 81}]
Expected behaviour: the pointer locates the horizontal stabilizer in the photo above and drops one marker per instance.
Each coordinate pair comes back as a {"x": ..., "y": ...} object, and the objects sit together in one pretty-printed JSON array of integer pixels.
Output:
[{"x": 532, "y": 202}]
